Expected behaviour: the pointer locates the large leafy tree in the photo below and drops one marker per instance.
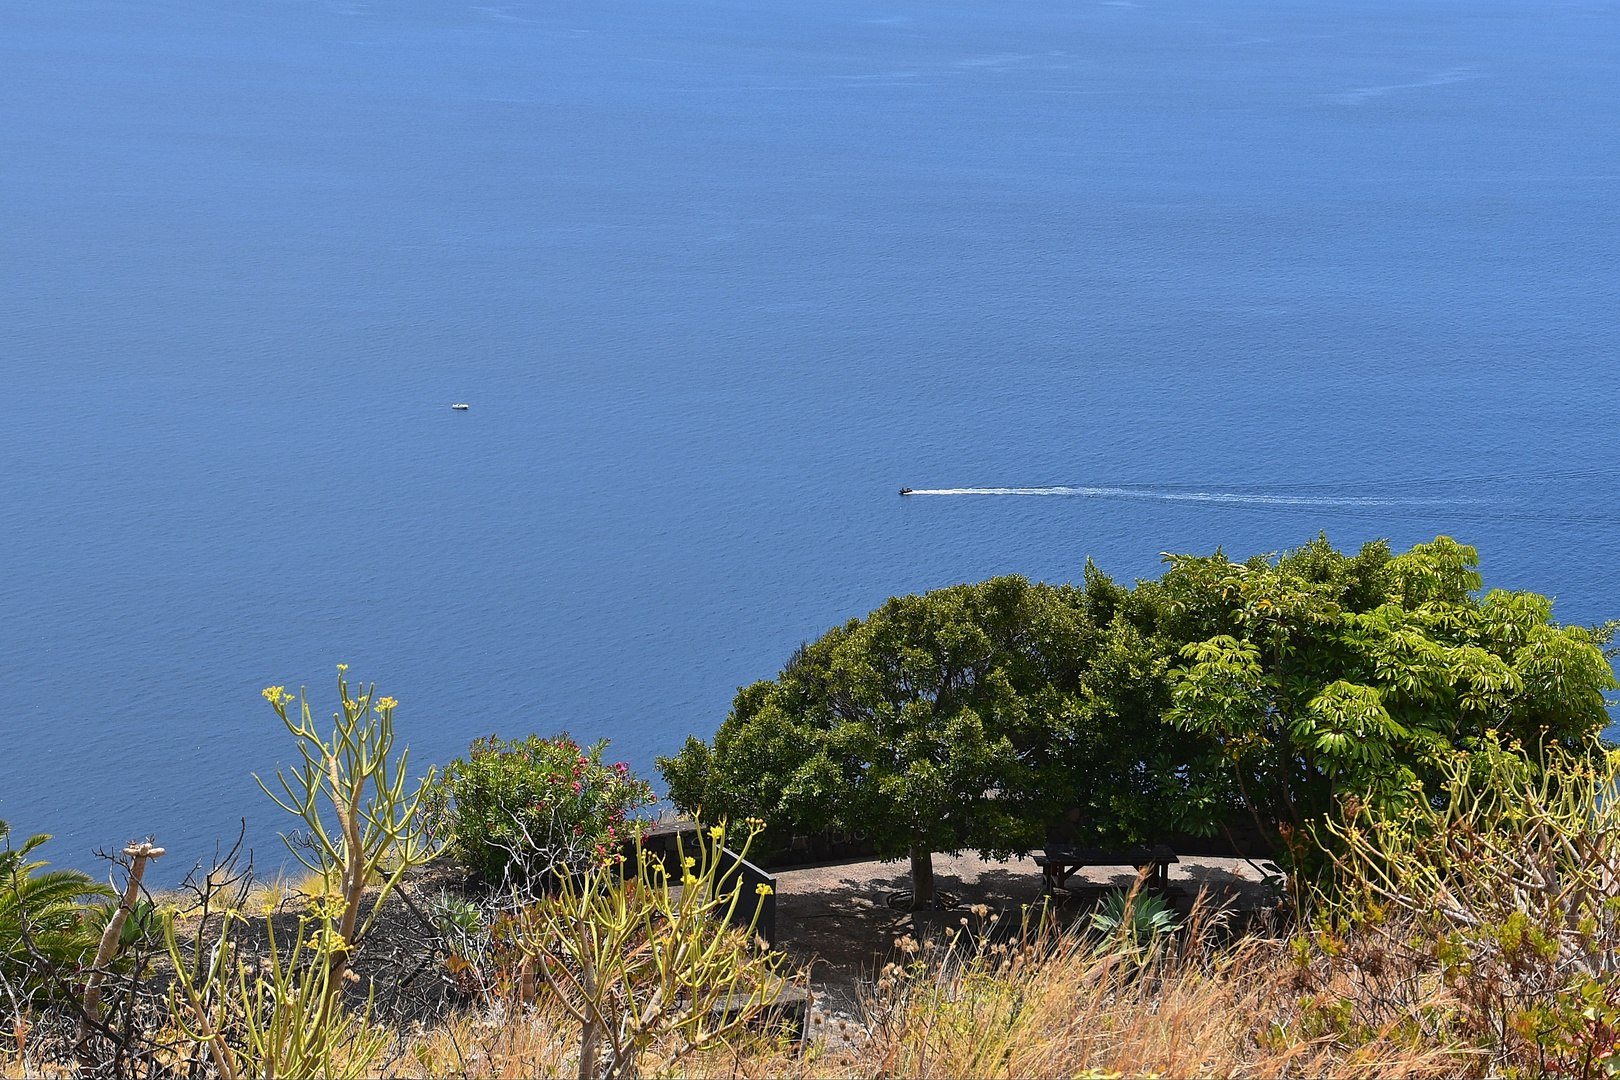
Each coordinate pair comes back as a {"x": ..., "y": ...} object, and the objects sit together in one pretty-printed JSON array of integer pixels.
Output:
[
  {"x": 1318, "y": 675},
  {"x": 971, "y": 717},
  {"x": 964, "y": 718},
  {"x": 920, "y": 727}
]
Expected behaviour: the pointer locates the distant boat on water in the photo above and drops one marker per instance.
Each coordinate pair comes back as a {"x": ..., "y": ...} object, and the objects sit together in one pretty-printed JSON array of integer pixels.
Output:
[{"x": 462, "y": 407}]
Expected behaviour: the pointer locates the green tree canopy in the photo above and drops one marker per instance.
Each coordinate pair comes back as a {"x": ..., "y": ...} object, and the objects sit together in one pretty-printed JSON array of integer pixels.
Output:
[
  {"x": 1317, "y": 675},
  {"x": 971, "y": 717},
  {"x": 941, "y": 722}
]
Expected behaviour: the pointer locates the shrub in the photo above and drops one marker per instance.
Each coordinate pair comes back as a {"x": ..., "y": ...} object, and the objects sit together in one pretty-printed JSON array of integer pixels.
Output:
[
  {"x": 1132, "y": 921},
  {"x": 541, "y": 803},
  {"x": 49, "y": 904},
  {"x": 1502, "y": 890},
  {"x": 652, "y": 960},
  {"x": 284, "y": 1016}
]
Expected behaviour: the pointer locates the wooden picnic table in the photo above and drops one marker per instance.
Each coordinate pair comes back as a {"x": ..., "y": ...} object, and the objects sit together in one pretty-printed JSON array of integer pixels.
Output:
[{"x": 1060, "y": 860}]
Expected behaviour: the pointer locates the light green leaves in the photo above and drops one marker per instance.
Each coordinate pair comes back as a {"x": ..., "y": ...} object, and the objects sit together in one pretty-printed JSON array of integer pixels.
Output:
[
  {"x": 1226, "y": 684},
  {"x": 1443, "y": 572},
  {"x": 1347, "y": 723},
  {"x": 1320, "y": 675}
]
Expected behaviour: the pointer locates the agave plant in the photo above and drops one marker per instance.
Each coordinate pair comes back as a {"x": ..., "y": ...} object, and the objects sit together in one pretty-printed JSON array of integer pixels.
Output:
[
  {"x": 51, "y": 906},
  {"x": 1136, "y": 918}
]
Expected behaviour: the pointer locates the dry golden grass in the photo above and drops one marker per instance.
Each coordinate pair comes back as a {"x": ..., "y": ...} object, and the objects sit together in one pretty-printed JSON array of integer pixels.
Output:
[
  {"x": 269, "y": 894},
  {"x": 1055, "y": 1008},
  {"x": 1073, "y": 1012},
  {"x": 1048, "y": 1008}
]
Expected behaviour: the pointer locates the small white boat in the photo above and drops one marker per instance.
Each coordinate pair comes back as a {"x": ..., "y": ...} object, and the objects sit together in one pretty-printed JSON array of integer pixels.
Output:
[{"x": 462, "y": 407}]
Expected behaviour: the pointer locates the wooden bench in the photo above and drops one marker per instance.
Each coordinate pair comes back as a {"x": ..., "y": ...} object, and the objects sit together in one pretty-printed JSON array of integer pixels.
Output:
[{"x": 1061, "y": 860}]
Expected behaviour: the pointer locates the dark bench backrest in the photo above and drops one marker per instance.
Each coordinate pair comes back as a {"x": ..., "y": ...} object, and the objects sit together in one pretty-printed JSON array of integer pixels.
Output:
[{"x": 665, "y": 841}]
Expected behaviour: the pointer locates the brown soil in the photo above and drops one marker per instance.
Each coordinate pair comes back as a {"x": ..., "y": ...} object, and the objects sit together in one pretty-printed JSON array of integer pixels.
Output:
[
  {"x": 835, "y": 920},
  {"x": 838, "y": 921}
]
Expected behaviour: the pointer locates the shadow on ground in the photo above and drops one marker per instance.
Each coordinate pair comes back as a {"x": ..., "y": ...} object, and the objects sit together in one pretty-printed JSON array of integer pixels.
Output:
[{"x": 838, "y": 920}]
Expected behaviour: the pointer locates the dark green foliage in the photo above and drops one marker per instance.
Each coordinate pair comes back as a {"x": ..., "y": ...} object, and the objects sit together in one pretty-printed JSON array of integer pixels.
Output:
[
  {"x": 971, "y": 717},
  {"x": 964, "y": 718},
  {"x": 51, "y": 906},
  {"x": 544, "y": 802}
]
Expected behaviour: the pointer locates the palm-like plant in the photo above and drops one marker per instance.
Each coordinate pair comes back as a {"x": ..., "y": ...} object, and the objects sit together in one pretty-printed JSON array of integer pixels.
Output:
[{"x": 50, "y": 905}]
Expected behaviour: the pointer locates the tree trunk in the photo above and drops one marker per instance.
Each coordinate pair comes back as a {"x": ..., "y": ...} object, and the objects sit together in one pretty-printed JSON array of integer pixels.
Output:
[
  {"x": 588, "y": 1040},
  {"x": 111, "y": 936},
  {"x": 589, "y": 1032},
  {"x": 526, "y": 979},
  {"x": 922, "y": 874}
]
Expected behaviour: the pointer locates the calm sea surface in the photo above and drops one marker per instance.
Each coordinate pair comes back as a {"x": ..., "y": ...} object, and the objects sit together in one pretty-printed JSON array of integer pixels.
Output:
[{"x": 716, "y": 280}]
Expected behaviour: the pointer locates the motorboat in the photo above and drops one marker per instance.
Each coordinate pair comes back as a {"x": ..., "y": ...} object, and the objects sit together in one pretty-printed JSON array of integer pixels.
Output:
[
  {"x": 463, "y": 408},
  {"x": 905, "y": 491}
]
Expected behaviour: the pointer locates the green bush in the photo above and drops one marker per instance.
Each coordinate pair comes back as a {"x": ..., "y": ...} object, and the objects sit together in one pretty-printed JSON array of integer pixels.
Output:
[
  {"x": 1263, "y": 692},
  {"x": 1132, "y": 919},
  {"x": 541, "y": 803},
  {"x": 62, "y": 928},
  {"x": 1491, "y": 909}
]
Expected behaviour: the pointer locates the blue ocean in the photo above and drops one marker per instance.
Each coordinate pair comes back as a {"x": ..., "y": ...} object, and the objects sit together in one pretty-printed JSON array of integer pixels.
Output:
[{"x": 716, "y": 278}]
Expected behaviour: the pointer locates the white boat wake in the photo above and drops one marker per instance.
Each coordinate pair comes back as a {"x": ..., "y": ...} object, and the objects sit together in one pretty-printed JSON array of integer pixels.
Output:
[{"x": 1195, "y": 496}]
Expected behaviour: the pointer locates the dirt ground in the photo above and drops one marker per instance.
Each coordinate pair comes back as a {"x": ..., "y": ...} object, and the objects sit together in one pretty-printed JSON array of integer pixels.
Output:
[
  {"x": 834, "y": 919},
  {"x": 837, "y": 919}
]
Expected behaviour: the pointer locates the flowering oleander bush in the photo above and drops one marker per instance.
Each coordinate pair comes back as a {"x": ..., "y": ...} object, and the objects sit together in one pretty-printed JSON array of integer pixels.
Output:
[{"x": 530, "y": 805}]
